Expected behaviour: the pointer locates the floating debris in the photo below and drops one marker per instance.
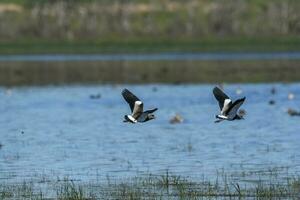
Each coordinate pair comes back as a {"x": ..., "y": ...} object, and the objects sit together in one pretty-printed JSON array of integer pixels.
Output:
[
  {"x": 271, "y": 102},
  {"x": 291, "y": 96},
  {"x": 293, "y": 112},
  {"x": 1, "y": 145},
  {"x": 176, "y": 119},
  {"x": 95, "y": 96}
]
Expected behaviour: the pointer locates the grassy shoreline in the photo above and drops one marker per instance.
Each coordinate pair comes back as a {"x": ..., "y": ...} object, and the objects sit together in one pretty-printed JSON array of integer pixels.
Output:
[
  {"x": 140, "y": 72},
  {"x": 150, "y": 45},
  {"x": 166, "y": 186}
]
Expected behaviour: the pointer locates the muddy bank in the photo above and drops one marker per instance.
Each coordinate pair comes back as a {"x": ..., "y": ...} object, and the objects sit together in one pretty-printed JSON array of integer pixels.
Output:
[{"x": 114, "y": 72}]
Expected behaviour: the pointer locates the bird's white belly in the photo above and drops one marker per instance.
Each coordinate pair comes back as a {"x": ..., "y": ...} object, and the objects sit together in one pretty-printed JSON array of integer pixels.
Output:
[{"x": 222, "y": 117}]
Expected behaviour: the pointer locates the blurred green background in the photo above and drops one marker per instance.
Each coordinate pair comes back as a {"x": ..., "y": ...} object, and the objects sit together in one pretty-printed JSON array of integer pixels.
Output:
[
  {"x": 148, "y": 26},
  {"x": 91, "y": 26}
]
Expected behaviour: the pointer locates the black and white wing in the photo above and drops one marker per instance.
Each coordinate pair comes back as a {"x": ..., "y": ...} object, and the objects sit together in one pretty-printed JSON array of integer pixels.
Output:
[
  {"x": 151, "y": 111},
  {"x": 235, "y": 107},
  {"x": 144, "y": 115},
  {"x": 137, "y": 110},
  {"x": 224, "y": 101},
  {"x": 130, "y": 98}
]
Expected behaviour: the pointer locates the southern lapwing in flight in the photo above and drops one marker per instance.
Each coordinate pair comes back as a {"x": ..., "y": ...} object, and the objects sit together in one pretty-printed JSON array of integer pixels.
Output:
[
  {"x": 136, "y": 106},
  {"x": 228, "y": 108}
]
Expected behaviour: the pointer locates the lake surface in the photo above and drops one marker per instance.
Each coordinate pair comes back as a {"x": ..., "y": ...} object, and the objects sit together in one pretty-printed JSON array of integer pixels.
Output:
[
  {"x": 61, "y": 131},
  {"x": 217, "y": 56}
]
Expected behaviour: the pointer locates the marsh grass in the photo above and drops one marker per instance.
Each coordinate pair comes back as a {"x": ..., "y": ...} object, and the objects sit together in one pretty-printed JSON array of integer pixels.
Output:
[
  {"x": 24, "y": 190},
  {"x": 165, "y": 186},
  {"x": 68, "y": 190}
]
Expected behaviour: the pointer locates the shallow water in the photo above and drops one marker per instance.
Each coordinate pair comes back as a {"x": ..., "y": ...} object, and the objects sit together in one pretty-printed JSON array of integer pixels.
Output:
[
  {"x": 217, "y": 56},
  {"x": 61, "y": 131}
]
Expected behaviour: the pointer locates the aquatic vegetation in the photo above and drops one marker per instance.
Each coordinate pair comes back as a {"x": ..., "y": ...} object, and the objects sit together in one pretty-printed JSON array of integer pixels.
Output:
[
  {"x": 163, "y": 186},
  {"x": 24, "y": 190},
  {"x": 68, "y": 190}
]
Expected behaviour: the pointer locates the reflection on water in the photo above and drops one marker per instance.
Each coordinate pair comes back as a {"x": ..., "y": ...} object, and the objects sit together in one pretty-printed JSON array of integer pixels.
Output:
[{"x": 61, "y": 131}]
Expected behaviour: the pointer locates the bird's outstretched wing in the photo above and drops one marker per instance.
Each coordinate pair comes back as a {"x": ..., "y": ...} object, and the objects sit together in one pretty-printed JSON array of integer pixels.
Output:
[
  {"x": 151, "y": 111},
  {"x": 235, "y": 107},
  {"x": 130, "y": 98},
  {"x": 223, "y": 100}
]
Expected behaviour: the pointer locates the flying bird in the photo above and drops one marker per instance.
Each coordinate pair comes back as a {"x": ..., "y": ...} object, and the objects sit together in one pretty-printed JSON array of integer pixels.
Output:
[
  {"x": 228, "y": 108},
  {"x": 136, "y": 106}
]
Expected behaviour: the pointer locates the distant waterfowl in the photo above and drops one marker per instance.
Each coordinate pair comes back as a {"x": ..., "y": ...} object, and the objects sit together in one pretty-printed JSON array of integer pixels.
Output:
[
  {"x": 271, "y": 102},
  {"x": 293, "y": 112},
  {"x": 136, "y": 106},
  {"x": 176, "y": 119},
  {"x": 238, "y": 91},
  {"x": 291, "y": 96},
  {"x": 228, "y": 109},
  {"x": 95, "y": 96},
  {"x": 8, "y": 92},
  {"x": 154, "y": 89},
  {"x": 273, "y": 90}
]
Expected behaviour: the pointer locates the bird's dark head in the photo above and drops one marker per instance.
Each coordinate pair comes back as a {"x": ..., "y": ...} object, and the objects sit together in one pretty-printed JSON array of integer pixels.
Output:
[
  {"x": 151, "y": 116},
  {"x": 241, "y": 114}
]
